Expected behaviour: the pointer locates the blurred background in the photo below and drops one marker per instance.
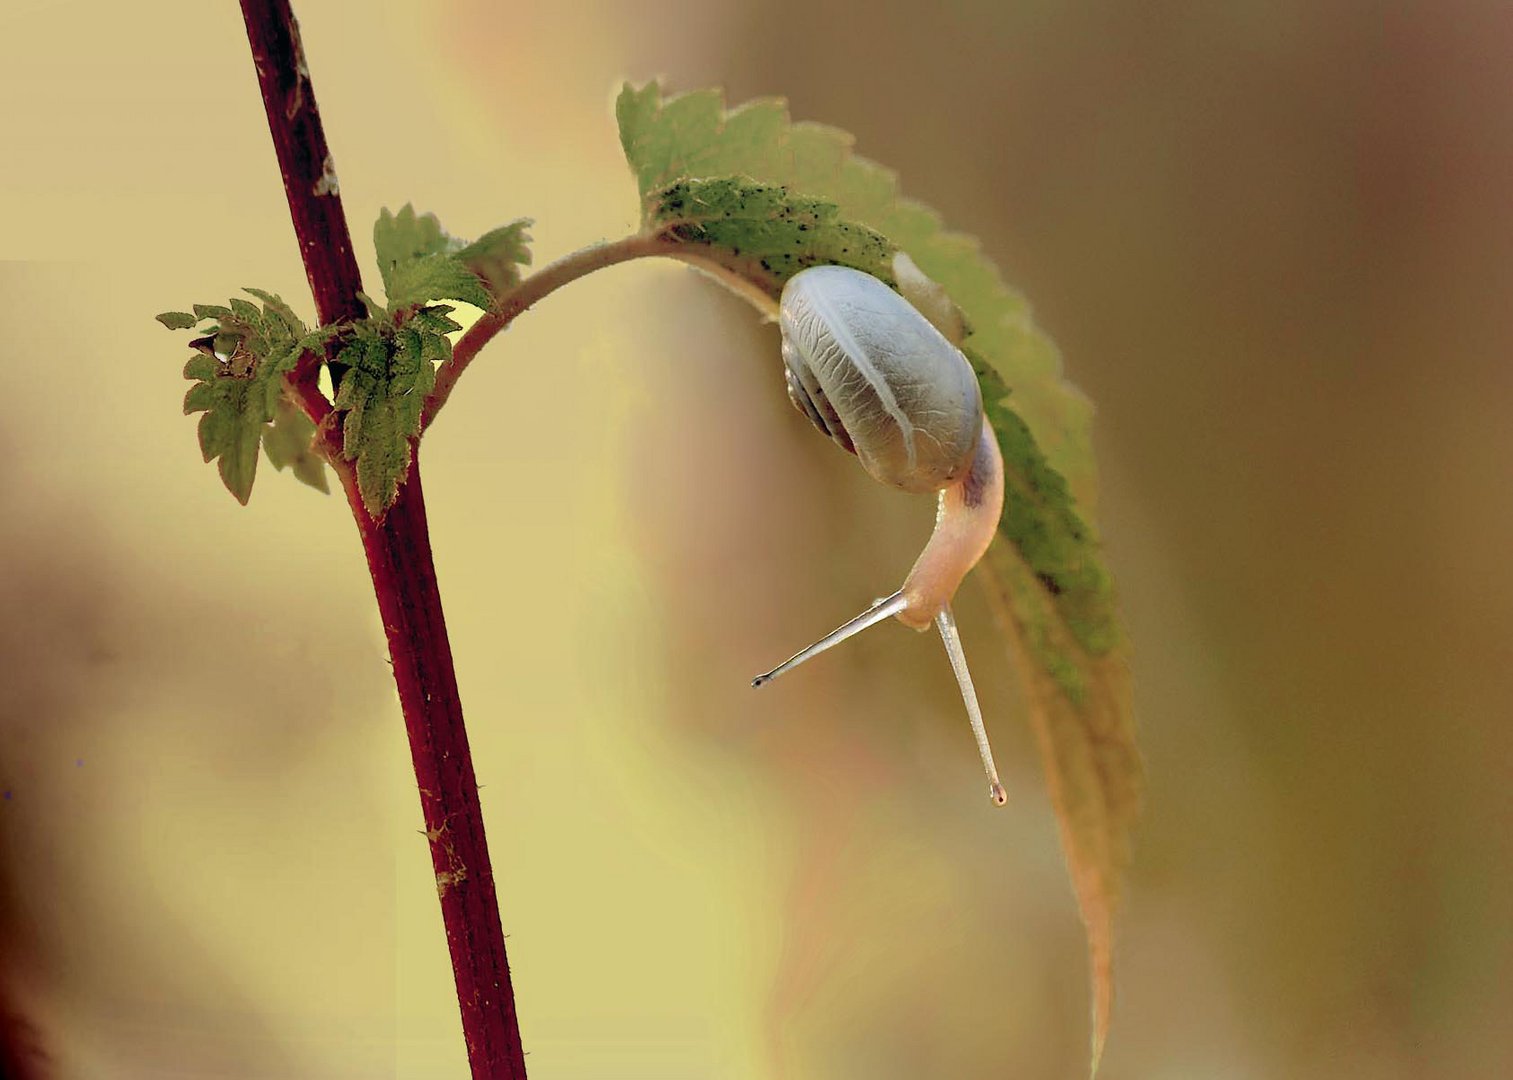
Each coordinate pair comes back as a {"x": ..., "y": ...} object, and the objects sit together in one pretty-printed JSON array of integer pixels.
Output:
[{"x": 1275, "y": 244}]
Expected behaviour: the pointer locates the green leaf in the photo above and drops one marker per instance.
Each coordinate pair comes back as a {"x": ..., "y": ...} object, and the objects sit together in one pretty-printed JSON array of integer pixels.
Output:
[
  {"x": 421, "y": 263},
  {"x": 274, "y": 305},
  {"x": 391, "y": 370},
  {"x": 764, "y": 233},
  {"x": 1041, "y": 521},
  {"x": 1092, "y": 764},
  {"x": 756, "y": 198},
  {"x": 229, "y": 433},
  {"x": 435, "y": 318},
  {"x": 406, "y": 236},
  {"x": 693, "y": 136},
  {"x": 289, "y": 444},
  {"x": 436, "y": 277},
  {"x": 498, "y": 254},
  {"x": 762, "y": 198},
  {"x": 238, "y": 375},
  {"x": 177, "y": 320}
]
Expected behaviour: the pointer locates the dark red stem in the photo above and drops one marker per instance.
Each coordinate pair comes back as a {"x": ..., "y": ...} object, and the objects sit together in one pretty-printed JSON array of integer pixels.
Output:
[
  {"x": 304, "y": 159},
  {"x": 404, "y": 576}
]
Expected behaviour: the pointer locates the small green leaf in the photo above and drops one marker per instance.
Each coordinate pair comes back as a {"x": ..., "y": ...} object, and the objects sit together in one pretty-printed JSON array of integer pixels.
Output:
[
  {"x": 232, "y": 444},
  {"x": 391, "y": 370},
  {"x": 420, "y": 262},
  {"x": 177, "y": 320},
  {"x": 289, "y": 443},
  {"x": 436, "y": 277},
  {"x": 498, "y": 254},
  {"x": 238, "y": 370},
  {"x": 404, "y": 237},
  {"x": 274, "y": 305},
  {"x": 201, "y": 396},
  {"x": 435, "y": 318},
  {"x": 246, "y": 311}
]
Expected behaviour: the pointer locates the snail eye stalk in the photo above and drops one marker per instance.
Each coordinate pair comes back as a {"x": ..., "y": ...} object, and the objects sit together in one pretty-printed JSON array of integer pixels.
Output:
[
  {"x": 945, "y": 622},
  {"x": 885, "y": 608}
]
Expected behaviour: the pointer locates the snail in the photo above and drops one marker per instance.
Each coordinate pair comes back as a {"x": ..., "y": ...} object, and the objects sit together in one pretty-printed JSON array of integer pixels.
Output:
[{"x": 878, "y": 377}]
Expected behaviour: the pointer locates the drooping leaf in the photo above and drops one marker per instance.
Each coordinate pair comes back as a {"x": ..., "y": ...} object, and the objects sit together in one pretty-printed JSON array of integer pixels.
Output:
[
  {"x": 1093, "y": 769},
  {"x": 757, "y": 197},
  {"x": 693, "y": 136},
  {"x": 238, "y": 372}
]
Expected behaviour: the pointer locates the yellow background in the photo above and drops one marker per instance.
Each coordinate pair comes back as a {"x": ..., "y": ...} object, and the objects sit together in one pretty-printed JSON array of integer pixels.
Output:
[{"x": 1272, "y": 240}]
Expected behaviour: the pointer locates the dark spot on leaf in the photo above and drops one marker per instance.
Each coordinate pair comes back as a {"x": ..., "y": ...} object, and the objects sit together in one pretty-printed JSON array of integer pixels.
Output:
[{"x": 1052, "y": 586}]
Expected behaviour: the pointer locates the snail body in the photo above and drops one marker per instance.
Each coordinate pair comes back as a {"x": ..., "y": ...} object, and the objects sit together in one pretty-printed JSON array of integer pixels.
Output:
[{"x": 879, "y": 379}]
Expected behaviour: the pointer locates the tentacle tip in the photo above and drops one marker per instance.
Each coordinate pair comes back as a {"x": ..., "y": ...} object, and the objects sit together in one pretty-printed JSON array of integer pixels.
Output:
[
  {"x": 997, "y": 794},
  {"x": 760, "y": 680}
]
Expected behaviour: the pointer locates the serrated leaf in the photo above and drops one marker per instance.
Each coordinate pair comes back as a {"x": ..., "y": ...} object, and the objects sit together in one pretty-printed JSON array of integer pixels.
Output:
[
  {"x": 498, "y": 255},
  {"x": 436, "y": 318},
  {"x": 693, "y": 136},
  {"x": 1040, "y": 520},
  {"x": 246, "y": 311},
  {"x": 436, "y": 277},
  {"x": 1093, "y": 769},
  {"x": 404, "y": 237},
  {"x": 390, "y": 371},
  {"x": 289, "y": 443},
  {"x": 238, "y": 370},
  {"x": 764, "y": 232},
  {"x": 177, "y": 320},
  {"x": 759, "y": 227},
  {"x": 201, "y": 395},
  {"x": 210, "y": 311},
  {"x": 731, "y": 188},
  {"x": 274, "y": 305},
  {"x": 420, "y": 262}
]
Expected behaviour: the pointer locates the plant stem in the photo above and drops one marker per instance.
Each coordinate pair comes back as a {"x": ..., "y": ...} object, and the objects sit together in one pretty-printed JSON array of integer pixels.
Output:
[
  {"x": 398, "y": 550},
  {"x": 564, "y": 271},
  {"x": 304, "y": 159},
  {"x": 404, "y": 578},
  {"x": 547, "y": 280}
]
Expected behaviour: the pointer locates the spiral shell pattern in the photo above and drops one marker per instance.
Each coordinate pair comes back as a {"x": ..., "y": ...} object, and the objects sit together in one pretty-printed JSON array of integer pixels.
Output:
[{"x": 872, "y": 373}]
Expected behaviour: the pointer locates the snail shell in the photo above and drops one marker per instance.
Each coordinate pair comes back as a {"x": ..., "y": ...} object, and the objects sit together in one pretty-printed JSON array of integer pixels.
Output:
[{"x": 872, "y": 373}]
